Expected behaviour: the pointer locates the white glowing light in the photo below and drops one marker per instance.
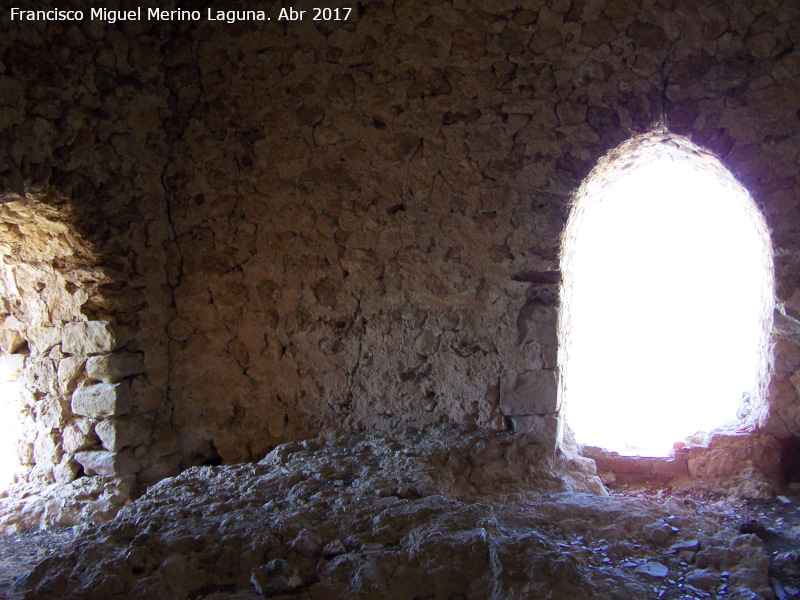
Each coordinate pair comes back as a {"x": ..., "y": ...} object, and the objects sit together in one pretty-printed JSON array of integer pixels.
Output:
[
  {"x": 666, "y": 309},
  {"x": 10, "y": 431}
]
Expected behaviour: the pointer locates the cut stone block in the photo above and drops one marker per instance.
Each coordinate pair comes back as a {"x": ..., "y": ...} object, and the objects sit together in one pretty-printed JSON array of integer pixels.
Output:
[
  {"x": 102, "y": 400},
  {"x": 102, "y": 462},
  {"x": 116, "y": 434},
  {"x": 530, "y": 393},
  {"x": 112, "y": 368},
  {"x": 88, "y": 337},
  {"x": 11, "y": 366}
]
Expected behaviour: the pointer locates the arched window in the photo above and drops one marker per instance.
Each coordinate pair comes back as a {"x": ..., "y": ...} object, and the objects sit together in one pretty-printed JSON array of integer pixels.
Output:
[{"x": 667, "y": 299}]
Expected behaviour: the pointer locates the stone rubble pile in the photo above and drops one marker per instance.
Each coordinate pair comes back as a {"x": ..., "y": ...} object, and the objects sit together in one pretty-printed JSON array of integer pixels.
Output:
[{"x": 450, "y": 513}]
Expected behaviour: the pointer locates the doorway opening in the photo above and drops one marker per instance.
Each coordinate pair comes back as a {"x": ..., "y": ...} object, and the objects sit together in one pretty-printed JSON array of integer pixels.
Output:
[{"x": 667, "y": 299}]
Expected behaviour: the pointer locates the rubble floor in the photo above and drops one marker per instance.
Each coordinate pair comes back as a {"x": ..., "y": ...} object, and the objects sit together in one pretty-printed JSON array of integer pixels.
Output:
[{"x": 448, "y": 514}]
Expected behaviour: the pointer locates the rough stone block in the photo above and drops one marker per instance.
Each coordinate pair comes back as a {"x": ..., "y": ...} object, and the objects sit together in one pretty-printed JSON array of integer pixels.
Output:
[
  {"x": 53, "y": 412},
  {"x": 11, "y": 341},
  {"x": 102, "y": 462},
  {"x": 530, "y": 393},
  {"x": 42, "y": 338},
  {"x": 88, "y": 337},
  {"x": 116, "y": 434},
  {"x": 40, "y": 375},
  {"x": 11, "y": 366},
  {"x": 792, "y": 305},
  {"x": 783, "y": 418},
  {"x": 545, "y": 429},
  {"x": 785, "y": 358},
  {"x": 785, "y": 324},
  {"x": 66, "y": 471},
  {"x": 101, "y": 400},
  {"x": 550, "y": 357},
  {"x": 538, "y": 323},
  {"x": 73, "y": 439},
  {"x": 70, "y": 370},
  {"x": 47, "y": 448},
  {"x": 112, "y": 368}
]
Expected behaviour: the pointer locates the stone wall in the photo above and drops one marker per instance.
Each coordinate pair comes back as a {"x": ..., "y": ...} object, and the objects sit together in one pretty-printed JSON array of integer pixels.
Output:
[
  {"x": 369, "y": 212},
  {"x": 356, "y": 225},
  {"x": 85, "y": 301}
]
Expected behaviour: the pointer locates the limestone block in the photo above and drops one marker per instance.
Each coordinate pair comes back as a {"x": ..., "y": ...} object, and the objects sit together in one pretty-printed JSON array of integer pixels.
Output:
[
  {"x": 55, "y": 354},
  {"x": 783, "y": 418},
  {"x": 11, "y": 366},
  {"x": 538, "y": 323},
  {"x": 88, "y": 337},
  {"x": 112, "y": 368},
  {"x": 41, "y": 473},
  {"x": 42, "y": 338},
  {"x": 52, "y": 412},
  {"x": 11, "y": 341},
  {"x": 550, "y": 357},
  {"x": 69, "y": 373},
  {"x": 102, "y": 462},
  {"x": 785, "y": 357},
  {"x": 73, "y": 439},
  {"x": 545, "y": 429},
  {"x": 66, "y": 471},
  {"x": 101, "y": 400},
  {"x": 529, "y": 393},
  {"x": 118, "y": 433},
  {"x": 40, "y": 375},
  {"x": 792, "y": 305},
  {"x": 47, "y": 449},
  {"x": 784, "y": 323}
]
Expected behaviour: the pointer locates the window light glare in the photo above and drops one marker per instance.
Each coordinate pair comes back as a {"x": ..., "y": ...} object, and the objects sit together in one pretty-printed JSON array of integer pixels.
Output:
[
  {"x": 10, "y": 431},
  {"x": 666, "y": 308}
]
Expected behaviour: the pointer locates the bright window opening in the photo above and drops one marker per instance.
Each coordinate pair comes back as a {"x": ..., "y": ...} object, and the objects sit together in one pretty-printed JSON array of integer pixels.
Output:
[{"x": 666, "y": 301}]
